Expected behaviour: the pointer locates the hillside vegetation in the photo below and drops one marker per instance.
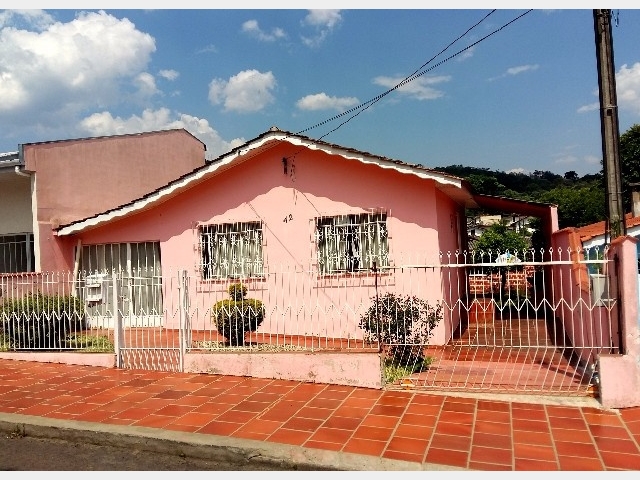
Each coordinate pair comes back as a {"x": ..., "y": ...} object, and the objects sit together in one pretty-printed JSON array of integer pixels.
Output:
[{"x": 580, "y": 200}]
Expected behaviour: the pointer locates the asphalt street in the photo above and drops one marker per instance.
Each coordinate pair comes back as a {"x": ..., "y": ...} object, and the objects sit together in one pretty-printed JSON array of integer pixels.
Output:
[{"x": 21, "y": 452}]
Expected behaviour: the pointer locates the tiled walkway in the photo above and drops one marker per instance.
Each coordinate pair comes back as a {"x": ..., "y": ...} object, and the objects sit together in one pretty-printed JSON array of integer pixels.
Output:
[{"x": 472, "y": 433}]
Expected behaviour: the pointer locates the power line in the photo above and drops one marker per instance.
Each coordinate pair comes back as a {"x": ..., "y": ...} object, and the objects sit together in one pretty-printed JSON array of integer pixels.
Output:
[{"x": 416, "y": 74}]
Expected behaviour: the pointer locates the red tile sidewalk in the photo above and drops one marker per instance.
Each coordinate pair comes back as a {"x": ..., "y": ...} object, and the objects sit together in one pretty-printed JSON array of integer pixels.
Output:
[{"x": 422, "y": 428}]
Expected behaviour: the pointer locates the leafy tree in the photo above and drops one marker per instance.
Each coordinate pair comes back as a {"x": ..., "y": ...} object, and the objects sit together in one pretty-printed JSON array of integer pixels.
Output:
[
  {"x": 499, "y": 238},
  {"x": 486, "y": 184},
  {"x": 571, "y": 175},
  {"x": 578, "y": 205},
  {"x": 580, "y": 201},
  {"x": 629, "y": 154}
]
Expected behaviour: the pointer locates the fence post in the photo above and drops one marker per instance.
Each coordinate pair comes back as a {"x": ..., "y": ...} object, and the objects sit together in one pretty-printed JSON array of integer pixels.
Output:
[
  {"x": 118, "y": 334},
  {"x": 182, "y": 307}
]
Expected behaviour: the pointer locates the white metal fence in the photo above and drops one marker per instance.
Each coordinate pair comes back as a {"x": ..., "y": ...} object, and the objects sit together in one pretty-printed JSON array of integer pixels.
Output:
[{"x": 462, "y": 320}]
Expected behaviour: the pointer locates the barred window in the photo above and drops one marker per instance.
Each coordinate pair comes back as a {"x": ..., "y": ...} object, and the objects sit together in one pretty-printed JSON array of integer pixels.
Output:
[
  {"x": 17, "y": 253},
  {"x": 352, "y": 243},
  {"x": 231, "y": 250}
]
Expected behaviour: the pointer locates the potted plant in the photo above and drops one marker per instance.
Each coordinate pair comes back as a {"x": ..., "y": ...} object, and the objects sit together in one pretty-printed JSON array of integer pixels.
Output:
[{"x": 237, "y": 315}]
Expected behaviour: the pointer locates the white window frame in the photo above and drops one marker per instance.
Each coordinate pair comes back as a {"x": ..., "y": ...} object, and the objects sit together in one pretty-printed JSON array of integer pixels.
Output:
[
  {"x": 238, "y": 252},
  {"x": 351, "y": 243}
]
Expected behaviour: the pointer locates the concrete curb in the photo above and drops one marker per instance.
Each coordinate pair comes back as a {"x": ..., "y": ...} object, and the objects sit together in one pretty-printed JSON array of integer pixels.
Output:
[{"x": 207, "y": 447}]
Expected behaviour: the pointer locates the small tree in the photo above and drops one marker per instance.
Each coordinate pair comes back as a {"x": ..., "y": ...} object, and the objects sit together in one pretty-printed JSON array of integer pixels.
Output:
[
  {"x": 403, "y": 324},
  {"x": 235, "y": 316},
  {"x": 500, "y": 238}
]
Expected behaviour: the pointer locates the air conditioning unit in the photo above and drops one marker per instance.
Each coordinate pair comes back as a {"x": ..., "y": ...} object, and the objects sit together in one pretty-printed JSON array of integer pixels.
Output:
[{"x": 95, "y": 288}]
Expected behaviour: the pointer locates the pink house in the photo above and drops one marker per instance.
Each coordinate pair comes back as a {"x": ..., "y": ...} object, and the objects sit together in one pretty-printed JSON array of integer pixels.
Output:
[
  {"x": 285, "y": 208},
  {"x": 316, "y": 231}
]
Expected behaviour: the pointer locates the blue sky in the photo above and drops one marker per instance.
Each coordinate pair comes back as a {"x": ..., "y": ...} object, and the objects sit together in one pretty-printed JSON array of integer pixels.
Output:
[{"x": 519, "y": 96}]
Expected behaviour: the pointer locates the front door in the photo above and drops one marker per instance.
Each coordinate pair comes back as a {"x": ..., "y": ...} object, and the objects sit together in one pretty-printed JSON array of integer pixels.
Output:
[{"x": 136, "y": 268}]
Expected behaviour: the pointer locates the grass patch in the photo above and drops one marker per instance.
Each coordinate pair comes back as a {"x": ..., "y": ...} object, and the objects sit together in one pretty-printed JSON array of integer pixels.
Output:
[
  {"x": 4, "y": 343},
  {"x": 89, "y": 343},
  {"x": 394, "y": 371}
]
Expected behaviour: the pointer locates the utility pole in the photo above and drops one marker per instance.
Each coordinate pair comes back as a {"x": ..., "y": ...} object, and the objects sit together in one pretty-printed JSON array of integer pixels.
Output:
[{"x": 609, "y": 124}]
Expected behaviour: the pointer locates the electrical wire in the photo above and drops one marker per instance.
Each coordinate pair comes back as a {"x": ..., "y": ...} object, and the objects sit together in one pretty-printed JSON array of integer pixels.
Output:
[
  {"x": 403, "y": 82},
  {"x": 364, "y": 106},
  {"x": 416, "y": 74}
]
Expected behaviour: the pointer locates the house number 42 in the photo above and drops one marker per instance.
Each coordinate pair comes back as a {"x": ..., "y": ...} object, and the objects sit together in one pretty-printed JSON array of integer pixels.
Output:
[{"x": 288, "y": 218}]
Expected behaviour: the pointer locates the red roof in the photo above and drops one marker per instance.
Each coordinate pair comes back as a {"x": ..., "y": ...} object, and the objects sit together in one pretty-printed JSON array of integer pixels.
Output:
[{"x": 596, "y": 229}]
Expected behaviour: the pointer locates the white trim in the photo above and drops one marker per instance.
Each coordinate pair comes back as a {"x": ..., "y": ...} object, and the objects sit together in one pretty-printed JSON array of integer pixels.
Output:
[
  {"x": 225, "y": 161},
  {"x": 35, "y": 226}
]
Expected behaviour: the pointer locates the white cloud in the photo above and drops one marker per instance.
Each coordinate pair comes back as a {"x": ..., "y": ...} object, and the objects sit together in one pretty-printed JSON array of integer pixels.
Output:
[
  {"x": 568, "y": 159},
  {"x": 67, "y": 68},
  {"x": 516, "y": 71},
  {"x": 589, "y": 108},
  {"x": 247, "y": 91},
  {"x": 252, "y": 28},
  {"x": 146, "y": 85},
  {"x": 208, "y": 49},
  {"x": 321, "y": 101},
  {"x": 103, "y": 124},
  {"x": 521, "y": 69},
  {"x": 519, "y": 170},
  {"x": 628, "y": 87},
  {"x": 38, "y": 19},
  {"x": 420, "y": 88},
  {"x": 591, "y": 159},
  {"x": 323, "y": 18},
  {"x": 323, "y": 21},
  {"x": 170, "y": 75},
  {"x": 468, "y": 53}
]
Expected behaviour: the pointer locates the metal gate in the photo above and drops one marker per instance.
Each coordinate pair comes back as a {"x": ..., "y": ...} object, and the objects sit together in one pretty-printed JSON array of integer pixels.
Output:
[
  {"x": 534, "y": 326},
  {"x": 139, "y": 345}
]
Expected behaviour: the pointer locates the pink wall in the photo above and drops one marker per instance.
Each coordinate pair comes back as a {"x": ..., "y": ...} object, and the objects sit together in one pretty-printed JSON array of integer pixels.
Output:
[
  {"x": 451, "y": 230},
  {"x": 79, "y": 178},
  {"x": 620, "y": 372},
  {"x": 320, "y": 184},
  {"x": 588, "y": 326}
]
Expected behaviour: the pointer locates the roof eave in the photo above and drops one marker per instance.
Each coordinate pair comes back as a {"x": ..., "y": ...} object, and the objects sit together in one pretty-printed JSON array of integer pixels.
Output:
[{"x": 454, "y": 187}]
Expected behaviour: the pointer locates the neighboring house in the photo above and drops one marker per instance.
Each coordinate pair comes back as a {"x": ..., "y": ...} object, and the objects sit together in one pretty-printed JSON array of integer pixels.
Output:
[
  {"x": 477, "y": 225},
  {"x": 16, "y": 225},
  {"x": 47, "y": 184},
  {"x": 284, "y": 202},
  {"x": 593, "y": 237}
]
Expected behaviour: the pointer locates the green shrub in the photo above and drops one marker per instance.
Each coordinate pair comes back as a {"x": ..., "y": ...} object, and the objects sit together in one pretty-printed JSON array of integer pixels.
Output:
[
  {"x": 39, "y": 320},
  {"x": 394, "y": 371},
  {"x": 403, "y": 325},
  {"x": 236, "y": 316}
]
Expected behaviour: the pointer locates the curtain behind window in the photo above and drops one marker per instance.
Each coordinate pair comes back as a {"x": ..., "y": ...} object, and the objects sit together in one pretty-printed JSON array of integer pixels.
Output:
[
  {"x": 350, "y": 243},
  {"x": 231, "y": 250}
]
